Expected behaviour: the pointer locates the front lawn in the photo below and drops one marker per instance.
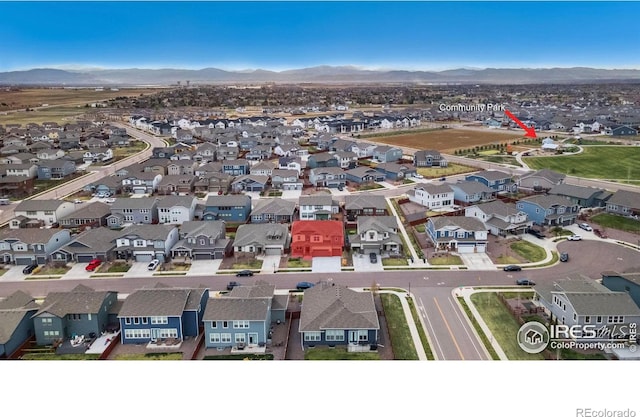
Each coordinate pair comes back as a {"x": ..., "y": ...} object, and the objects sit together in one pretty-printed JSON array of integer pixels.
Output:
[
  {"x": 338, "y": 353},
  {"x": 248, "y": 264},
  {"x": 446, "y": 260},
  {"x": 419, "y": 228},
  {"x": 451, "y": 169},
  {"x": 394, "y": 262},
  {"x": 617, "y": 222},
  {"x": 160, "y": 356},
  {"x": 298, "y": 263},
  {"x": 119, "y": 267},
  {"x": 52, "y": 270},
  {"x": 401, "y": 341},
  {"x": 529, "y": 251},
  {"x": 372, "y": 186},
  {"x": 55, "y": 357}
]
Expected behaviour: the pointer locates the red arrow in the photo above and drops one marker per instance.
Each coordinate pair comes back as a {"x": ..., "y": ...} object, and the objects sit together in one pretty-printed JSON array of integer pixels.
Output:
[{"x": 531, "y": 132}]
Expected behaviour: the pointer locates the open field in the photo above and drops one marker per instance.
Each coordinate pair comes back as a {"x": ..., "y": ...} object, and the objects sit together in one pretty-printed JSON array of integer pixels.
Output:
[
  {"x": 619, "y": 163},
  {"x": 448, "y": 140}
]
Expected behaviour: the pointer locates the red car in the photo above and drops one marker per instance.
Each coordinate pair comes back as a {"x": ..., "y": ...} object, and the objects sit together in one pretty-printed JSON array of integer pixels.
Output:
[{"x": 93, "y": 265}]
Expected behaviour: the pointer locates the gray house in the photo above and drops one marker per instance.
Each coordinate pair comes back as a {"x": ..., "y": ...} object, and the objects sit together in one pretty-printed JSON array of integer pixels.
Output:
[
  {"x": 626, "y": 203},
  {"x": 55, "y": 169},
  {"x": 259, "y": 239},
  {"x": 133, "y": 210},
  {"x": 145, "y": 242},
  {"x": 274, "y": 210},
  {"x": 202, "y": 240},
  {"x": 468, "y": 192},
  {"x": 377, "y": 234},
  {"x": 428, "y": 158},
  {"x": 90, "y": 215},
  {"x": 333, "y": 314},
  {"x": 16, "y": 323},
  {"x": 82, "y": 311},
  {"x": 385, "y": 153},
  {"x": 31, "y": 245},
  {"x": 544, "y": 179},
  {"x": 91, "y": 244},
  {"x": 582, "y": 196}
]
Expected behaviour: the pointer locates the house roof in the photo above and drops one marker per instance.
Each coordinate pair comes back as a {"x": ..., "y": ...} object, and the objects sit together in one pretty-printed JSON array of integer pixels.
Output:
[
  {"x": 362, "y": 201},
  {"x": 435, "y": 188},
  {"x": 498, "y": 207},
  {"x": 228, "y": 200},
  {"x": 261, "y": 289},
  {"x": 379, "y": 223},
  {"x": 395, "y": 167},
  {"x": 9, "y": 322},
  {"x": 99, "y": 240},
  {"x": 626, "y": 199},
  {"x": 317, "y": 200},
  {"x": 467, "y": 223},
  {"x": 322, "y": 227},
  {"x": 207, "y": 228},
  {"x": 176, "y": 200},
  {"x": 93, "y": 210},
  {"x": 262, "y": 234},
  {"x": 472, "y": 187},
  {"x": 423, "y": 154},
  {"x": 226, "y": 308},
  {"x": 575, "y": 191},
  {"x": 363, "y": 171},
  {"x": 133, "y": 203},
  {"x": 80, "y": 300},
  {"x": 17, "y": 299},
  {"x": 548, "y": 201},
  {"x": 148, "y": 231},
  {"x": 275, "y": 206},
  {"x": 603, "y": 303},
  {"x": 333, "y": 306},
  {"x": 29, "y": 235},
  {"x": 39, "y": 205},
  {"x": 155, "y": 302}
]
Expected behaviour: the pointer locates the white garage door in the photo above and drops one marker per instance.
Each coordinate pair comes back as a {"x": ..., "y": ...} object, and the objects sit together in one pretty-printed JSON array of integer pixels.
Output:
[
  {"x": 273, "y": 251},
  {"x": 144, "y": 258},
  {"x": 465, "y": 248}
]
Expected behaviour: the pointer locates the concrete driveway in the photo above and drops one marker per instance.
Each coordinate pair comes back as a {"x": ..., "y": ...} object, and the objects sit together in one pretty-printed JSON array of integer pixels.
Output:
[
  {"x": 270, "y": 264},
  {"x": 14, "y": 274},
  {"x": 139, "y": 269},
  {"x": 205, "y": 267},
  {"x": 477, "y": 261},
  {"x": 291, "y": 194},
  {"x": 326, "y": 264},
  {"x": 362, "y": 263},
  {"x": 78, "y": 271}
]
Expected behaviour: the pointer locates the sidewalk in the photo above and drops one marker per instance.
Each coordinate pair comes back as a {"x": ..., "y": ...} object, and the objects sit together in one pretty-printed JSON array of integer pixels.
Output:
[{"x": 414, "y": 254}]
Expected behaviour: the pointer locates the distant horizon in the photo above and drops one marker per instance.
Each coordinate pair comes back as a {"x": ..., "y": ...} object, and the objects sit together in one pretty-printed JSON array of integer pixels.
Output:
[{"x": 281, "y": 36}]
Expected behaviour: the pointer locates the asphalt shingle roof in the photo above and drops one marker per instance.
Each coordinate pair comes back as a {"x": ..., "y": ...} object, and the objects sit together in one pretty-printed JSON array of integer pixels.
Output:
[
  {"x": 226, "y": 308},
  {"x": 80, "y": 300},
  {"x": 155, "y": 302}
]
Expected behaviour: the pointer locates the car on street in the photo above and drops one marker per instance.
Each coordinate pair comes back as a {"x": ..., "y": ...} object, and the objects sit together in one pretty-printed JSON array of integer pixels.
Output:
[
  {"x": 525, "y": 281},
  {"x": 93, "y": 265},
  {"x": 512, "y": 268},
  {"x": 303, "y": 285},
  {"x": 109, "y": 200},
  {"x": 574, "y": 237},
  {"x": 245, "y": 273},
  {"x": 585, "y": 226},
  {"x": 153, "y": 265},
  {"x": 232, "y": 284},
  {"x": 564, "y": 257},
  {"x": 78, "y": 201},
  {"x": 373, "y": 257},
  {"x": 443, "y": 179}
]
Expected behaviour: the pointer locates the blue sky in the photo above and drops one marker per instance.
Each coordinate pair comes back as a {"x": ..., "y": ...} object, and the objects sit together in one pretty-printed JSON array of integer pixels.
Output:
[{"x": 287, "y": 35}]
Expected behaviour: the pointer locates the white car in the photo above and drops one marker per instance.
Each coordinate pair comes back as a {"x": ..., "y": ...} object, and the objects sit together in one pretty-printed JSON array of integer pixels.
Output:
[
  {"x": 585, "y": 226},
  {"x": 78, "y": 201},
  {"x": 418, "y": 176},
  {"x": 153, "y": 265},
  {"x": 574, "y": 237},
  {"x": 110, "y": 200}
]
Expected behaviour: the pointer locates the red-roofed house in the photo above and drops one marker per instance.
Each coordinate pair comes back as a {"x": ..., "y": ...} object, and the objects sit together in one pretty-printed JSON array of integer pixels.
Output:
[{"x": 311, "y": 238}]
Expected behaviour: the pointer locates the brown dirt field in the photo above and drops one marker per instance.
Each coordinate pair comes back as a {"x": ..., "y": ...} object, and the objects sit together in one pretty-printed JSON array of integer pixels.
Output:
[{"x": 448, "y": 140}]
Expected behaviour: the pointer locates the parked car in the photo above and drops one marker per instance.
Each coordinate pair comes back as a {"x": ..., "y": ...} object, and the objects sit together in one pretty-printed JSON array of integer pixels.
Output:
[
  {"x": 304, "y": 285},
  {"x": 373, "y": 257},
  {"x": 525, "y": 281},
  {"x": 78, "y": 201},
  {"x": 443, "y": 179},
  {"x": 564, "y": 257},
  {"x": 103, "y": 194},
  {"x": 29, "y": 268},
  {"x": 245, "y": 273},
  {"x": 585, "y": 226},
  {"x": 110, "y": 200},
  {"x": 232, "y": 284},
  {"x": 536, "y": 233},
  {"x": 512, "y": 268},
  {"x": 153, "y": 265},
  {"x": 418, "y": 176},
  {"x": 574, "y": 237},
  {"x": 600, "y": 233},
  {"x": 93, "y": 265}
]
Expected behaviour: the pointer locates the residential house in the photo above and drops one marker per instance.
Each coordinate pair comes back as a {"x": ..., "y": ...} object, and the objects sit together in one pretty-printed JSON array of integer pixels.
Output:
[
  {"x": 250, "y": 182},
  {"x": 48, "y": 212},
  {"x": 500, "y": 218},
  {"x": 468, "y": 192},
  {"x": 22, "y": 171},
  {"x": 365, "y": 205},
  {"x": 50, "y": 154},
  {"x": 207, "y": 152},
  {"x": 228, "y": 153},
  {"x": 176, "y": 209},
  {"x": 89, "y": 215},
  {"x": 202, "y": 240},
  {"x": 274, "y": 210},
  {"x": 235, "y": 167},
  {"x": 434, "y": 197},
  {"x": 457, "y": 234},
  {"x": 579, "y": 300},
  {"x": 263, "y": 168},
  {"x": 346, "y": 160},
  {"x": 385, "y": 153},
  {"x": 98, "y": 155},
  {"x": 628, "y": 282},
  {"x": 230, "y": 208},
  {"x": 620, "y": 130},
  {"x": 16, "y": 323},
  {"x": 145, "y": 242},
  {"x": 313, "y": 238},
  {"x": 396, "y": 172},
  {"x": 111, "y": 185},
  {"x": 496, "y": 180},
  {"x": 133, "y": 211},
  {"x": 213, "y": 182},
  {"x": 161, "y": 314},
  {"x": 322, "y": 160},
  {"x": 582, "y": 196},
  {"x": 176, "y": 184},
  {"x": 335, "y": 315},
  {"x": 164, "y": 153},
  {"x": 377, "y": 234},
  {"x": 549, "y": 210},
  {"x": 542, "y": 180},
  {"x": 332, "y": 177},
  {"x": 318, "y": 207},
  {"x": 623, "y": 202},
  {"x": 82, "y": 311},
  {"x": 262, "y": 239},
  {"x": 141, "y": 182},
  {"x": 364, "y": 174},
  {"x": 286, "y": 179},
  {"x": 259, "y": 152},
  {"x": 428, "y": 158},
  {"x": 181, "y": 167},
  {"x": 291, "y": 164},
  {"x": 56, "y": 169},
  {"x": 96, "y": 243},
  {"x": 243, "y": 318}
]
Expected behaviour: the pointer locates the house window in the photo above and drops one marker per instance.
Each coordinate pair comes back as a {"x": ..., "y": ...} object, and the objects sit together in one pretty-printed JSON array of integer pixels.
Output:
[
  {"x": 225, "y": 324},
  {"x": 241, "y": 324},
  {"x": 137, "y": 333},
  {"x": 312, "y": 336},
  {"x": 164, "y": 333},
  {"x": 587, "y": 319},
  {"x": 214, "y": 324},
  {"x": 51, "y": 333},
  {"x": 599, "y": 319},
  {"x": 240, "y": 338},
  {"x": 225, "y": 337},
  {"x": 363, "y": 335},
  {"x": 136, "y": 320},
  {"x": 46, "y": 322},
  {"x": 214, "y": 338},
  {"x": 144, "y": 320},
  {"x": 575, "y": 317},
  {"x": 615, "y": 319},
  {"x": 159, "y": 320},
  {"x": 334, "y": 335},
  {"x": 127, "y": 320}
]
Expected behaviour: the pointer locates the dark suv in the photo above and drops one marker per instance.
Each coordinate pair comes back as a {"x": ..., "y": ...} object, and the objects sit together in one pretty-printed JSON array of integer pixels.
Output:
[
  {"x": 373, "y": 258},
  {"x": 536, "y": 233},
  {"x": 29, "y": 268},
  {"x": 245, "y": 273},
  {"x": 231, "y": 285}
]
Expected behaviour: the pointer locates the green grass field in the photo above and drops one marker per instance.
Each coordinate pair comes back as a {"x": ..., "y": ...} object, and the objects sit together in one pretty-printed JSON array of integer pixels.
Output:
[
  {"x": 401, "y": 342},
  {"x": 529, "y": 251},
  {"x": 338, "y": 354},
  {"x": 617, "y": 222},
  {"x": 617, "y": 163}
]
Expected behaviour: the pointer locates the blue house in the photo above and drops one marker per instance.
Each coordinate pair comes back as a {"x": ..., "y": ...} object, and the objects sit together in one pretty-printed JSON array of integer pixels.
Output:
[
  {"x": 160, "y": 313},
  {"x": 82, "y": 311},
  {"x": 496, "y": 180},
  {"x": 467, "y": 192},
  {"x": 322, "y": 160},
  {"x": 333, "y": 314},
  {"x": 457, "y": 234},
  {"x": 627, "y": 282},
  {"x": 230, "y": 208},
  {"x": 396, "y": 172},
  {"x": 243, "y": 318},
  {"x": 16, "y": 323},
  {"x": 55, "y": 169},
  {"x": 385, "y": 153},
  {"x": 549, "y": 210},
  {"x": 235, "y": 167},
  {"x": 363, "y": 174}
]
